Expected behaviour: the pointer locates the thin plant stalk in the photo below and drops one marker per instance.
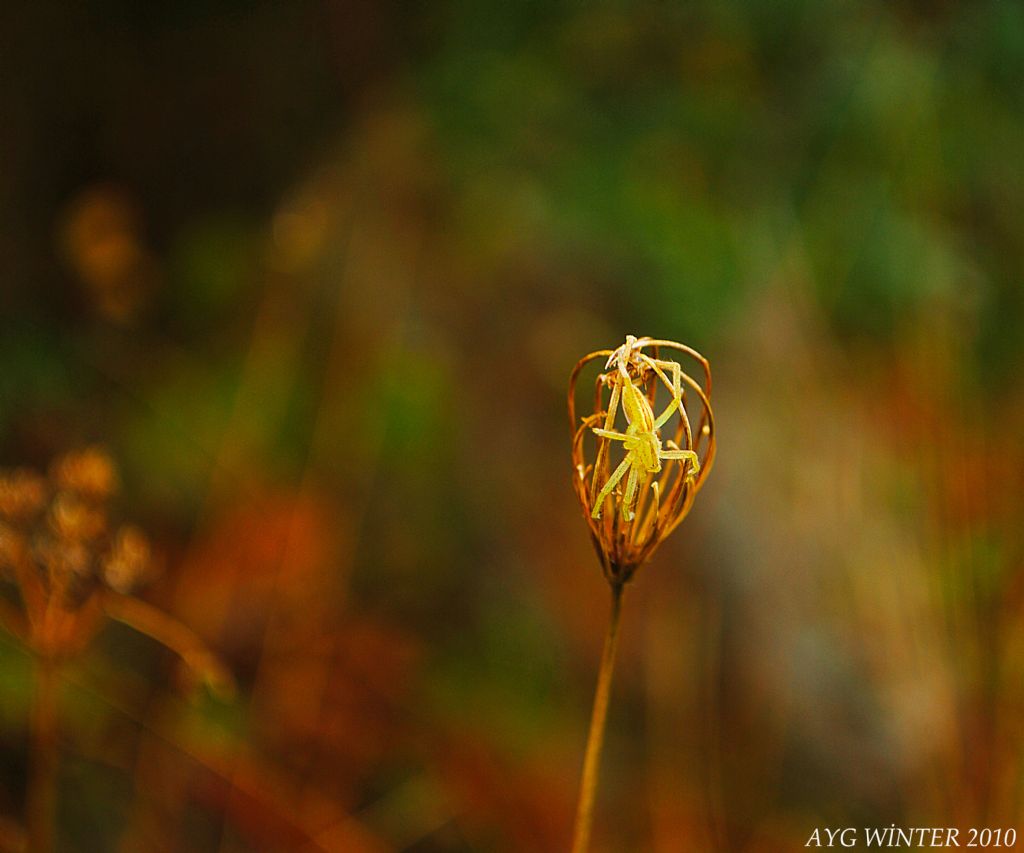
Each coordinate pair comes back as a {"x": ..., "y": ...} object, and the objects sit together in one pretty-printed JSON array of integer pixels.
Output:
[
  {"x": 41, "y": 800},
  {"x": 595, "y": 737}
]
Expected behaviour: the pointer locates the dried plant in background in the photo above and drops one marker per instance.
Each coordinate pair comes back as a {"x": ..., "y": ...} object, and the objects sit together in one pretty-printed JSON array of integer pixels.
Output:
[
  {"x": 640, "y": 458},
  {"x": 71, "y": 570},
  {"x": 103, "y": 244}
]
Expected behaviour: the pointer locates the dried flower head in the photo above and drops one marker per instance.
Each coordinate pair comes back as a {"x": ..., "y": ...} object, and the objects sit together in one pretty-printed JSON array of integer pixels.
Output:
[
  {"x": 128, "y": 559},
  {"x": 73, "y": 568},
  {"x": 22, "y": 494},
  {"x": 89, "y": 472},
  {"x": 72, "y": 571},
  {"x": 57, "y": 545},
  {"x": 643, "y": 453}
]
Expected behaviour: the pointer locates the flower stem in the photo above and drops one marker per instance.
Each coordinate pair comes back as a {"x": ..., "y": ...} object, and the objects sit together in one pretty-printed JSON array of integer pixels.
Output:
[
  {"x": 595, "y": 738},
  {"x": 41, "y": 800}
]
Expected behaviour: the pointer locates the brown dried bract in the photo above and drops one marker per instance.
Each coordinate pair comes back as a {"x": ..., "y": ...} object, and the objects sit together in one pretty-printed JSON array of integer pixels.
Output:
[{"x": 643, "y": 452}]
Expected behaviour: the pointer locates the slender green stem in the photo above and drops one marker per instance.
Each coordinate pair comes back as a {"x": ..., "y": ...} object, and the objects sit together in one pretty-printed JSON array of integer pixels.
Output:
[
  {"x": 595, "y": 738},
  {"x": 41, "y": 799}
]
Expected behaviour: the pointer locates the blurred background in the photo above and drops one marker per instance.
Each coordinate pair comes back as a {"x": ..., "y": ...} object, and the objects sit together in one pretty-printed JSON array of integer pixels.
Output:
[{"x": 315, "y": 275}]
